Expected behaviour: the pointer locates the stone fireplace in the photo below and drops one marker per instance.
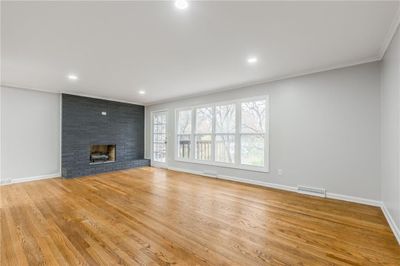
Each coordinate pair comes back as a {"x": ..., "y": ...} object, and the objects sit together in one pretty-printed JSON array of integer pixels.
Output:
[{"x": 100, "y": 136}]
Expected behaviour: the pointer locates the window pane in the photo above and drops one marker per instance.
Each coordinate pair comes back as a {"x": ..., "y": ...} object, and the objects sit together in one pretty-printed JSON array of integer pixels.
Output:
[
  {"x": 204, "y": 117},
  {"x": 253, "y": 117},
  {"x": 225, "y": 148},
  {"x": 183, "y": 142},
  {"x": 252, "y": 150},
  {"x": 162, "y": 138},
  {"x": 185, "y": 122},
  {"x": 225, "y": 118},
  {"x": 159, "y": 152},
  {"x": 203, "y": 147},
  {"x": 159, "y": 129},
  {"x": 160, "y": 118}
]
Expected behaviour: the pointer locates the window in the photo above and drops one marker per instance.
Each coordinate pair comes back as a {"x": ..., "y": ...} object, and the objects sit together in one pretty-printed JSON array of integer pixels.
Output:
[
  {"x": 184, "y": 133},
  {"x": 252, "y": 133},
  {"x": 159, "y": 136},
  {"x": 225, "y": 127},
  {"x": 232, "y": 134},
  {"x": 203, "y": 133}
]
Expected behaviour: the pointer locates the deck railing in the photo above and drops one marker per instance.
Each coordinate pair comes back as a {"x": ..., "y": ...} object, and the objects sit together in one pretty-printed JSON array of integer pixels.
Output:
[{"x": 203, "y": 150}]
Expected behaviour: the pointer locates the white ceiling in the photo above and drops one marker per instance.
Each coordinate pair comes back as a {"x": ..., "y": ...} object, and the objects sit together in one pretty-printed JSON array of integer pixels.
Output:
[{"x": 119, "y": 48}]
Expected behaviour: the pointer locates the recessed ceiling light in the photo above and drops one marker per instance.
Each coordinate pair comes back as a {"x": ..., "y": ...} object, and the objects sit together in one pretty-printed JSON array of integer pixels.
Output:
[
  {"x": 72, "y": 77},
  {"x": 142, "y": 92},
  {"x": 181, "y": 4},
  {"x": 252, "y": 60}
]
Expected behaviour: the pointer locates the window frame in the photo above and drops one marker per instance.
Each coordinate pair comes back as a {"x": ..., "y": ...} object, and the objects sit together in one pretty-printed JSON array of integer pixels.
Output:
[
  {"x": 225, "y": 103},
  {"x": 195, "y": 134},
  {"x": 265, "y": 133},
  {"x": 238, "y": 111},
  {"x": 153, "y": 162},
  {"x": 176, "y": 152}
]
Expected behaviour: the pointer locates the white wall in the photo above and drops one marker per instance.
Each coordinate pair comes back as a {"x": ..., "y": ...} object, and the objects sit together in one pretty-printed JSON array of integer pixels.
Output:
[
  {"x": 30, "y": 134},
  {"x": 324, "y": 131},
  {"x": 390, "y": 102}
]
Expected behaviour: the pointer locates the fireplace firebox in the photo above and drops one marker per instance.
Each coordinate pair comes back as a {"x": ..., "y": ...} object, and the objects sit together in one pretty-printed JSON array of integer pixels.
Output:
[{"x": 100, "y": 153}]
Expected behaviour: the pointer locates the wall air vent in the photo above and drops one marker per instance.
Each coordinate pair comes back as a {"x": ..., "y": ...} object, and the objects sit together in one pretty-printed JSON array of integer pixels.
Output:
[{"x": 319, "y": 192}]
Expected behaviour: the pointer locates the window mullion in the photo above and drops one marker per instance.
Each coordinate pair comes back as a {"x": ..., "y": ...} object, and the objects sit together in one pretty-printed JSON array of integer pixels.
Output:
[
  {"x": 266, "y": 134},
  {"x": 213, "y": 135},
  {"x": 238, "y": 113},
  {"x": 176, "y": 142},
  {"x": 192, "y": 137}
]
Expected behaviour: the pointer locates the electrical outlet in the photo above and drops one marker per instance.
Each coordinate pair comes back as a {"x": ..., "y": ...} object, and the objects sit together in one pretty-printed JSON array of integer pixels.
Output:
[{"x": 280, "y": 172}]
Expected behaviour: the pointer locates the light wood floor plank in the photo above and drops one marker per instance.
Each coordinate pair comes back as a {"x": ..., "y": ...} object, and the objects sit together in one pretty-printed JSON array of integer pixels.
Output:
[{"x": 150, "y": 216}]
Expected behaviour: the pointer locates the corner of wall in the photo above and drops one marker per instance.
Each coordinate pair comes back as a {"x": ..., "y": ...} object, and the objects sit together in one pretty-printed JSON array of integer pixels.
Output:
[{"x": 391, "y": 222}]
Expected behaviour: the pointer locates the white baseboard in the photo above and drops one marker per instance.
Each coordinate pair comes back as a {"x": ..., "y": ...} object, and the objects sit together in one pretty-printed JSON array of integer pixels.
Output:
[
  {"x": 257, "y": 182},
  {"x": 354, "y": 199},
  {"x": 237, "y": 179},
  {"x": 392, "y": 224},
  {"x": 31, "y": 178},
  {"x": 282, "y": 187},
  {"x": 158, "y": 165},
  {"x": 185, "y": 170}
]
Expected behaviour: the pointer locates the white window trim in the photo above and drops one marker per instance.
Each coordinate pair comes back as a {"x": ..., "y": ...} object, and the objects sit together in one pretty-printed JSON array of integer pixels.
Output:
[
  {"x": 195, "y": 134},
  {"x": 191, "y": 154},
  {"x": 154, "y": 162},
  {"x": 236, "y": 164}
]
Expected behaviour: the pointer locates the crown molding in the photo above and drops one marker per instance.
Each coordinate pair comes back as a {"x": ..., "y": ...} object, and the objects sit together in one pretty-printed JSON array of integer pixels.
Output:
[
  {"x": 390, "y": 33},
  {"x": 71, "y": 93},
  {"x": 101, "y": 98}
]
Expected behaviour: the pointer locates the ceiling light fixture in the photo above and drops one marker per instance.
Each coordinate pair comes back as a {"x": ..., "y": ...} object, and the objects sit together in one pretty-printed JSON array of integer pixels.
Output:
[
  {"x": 252, "y": 60},
  {"x": 72, "y": 77},
  {"x": 181, "y": 4},
  {"x": 142, "y": 92}
]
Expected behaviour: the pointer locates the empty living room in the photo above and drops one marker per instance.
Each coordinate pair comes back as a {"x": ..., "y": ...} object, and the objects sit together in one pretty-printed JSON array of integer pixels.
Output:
[{"x": 200, "y": 132}]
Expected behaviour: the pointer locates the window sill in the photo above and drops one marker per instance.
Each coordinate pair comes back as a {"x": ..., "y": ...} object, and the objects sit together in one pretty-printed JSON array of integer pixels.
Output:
[{"x": 225, "y": 165}]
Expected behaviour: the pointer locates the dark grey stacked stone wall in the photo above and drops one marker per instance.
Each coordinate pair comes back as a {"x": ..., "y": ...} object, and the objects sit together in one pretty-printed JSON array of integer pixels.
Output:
[{"x": 83, "y": 125}]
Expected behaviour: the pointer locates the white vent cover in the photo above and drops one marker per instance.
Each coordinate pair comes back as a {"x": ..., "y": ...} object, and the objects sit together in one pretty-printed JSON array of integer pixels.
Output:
[{"x": 313, "y": 191}]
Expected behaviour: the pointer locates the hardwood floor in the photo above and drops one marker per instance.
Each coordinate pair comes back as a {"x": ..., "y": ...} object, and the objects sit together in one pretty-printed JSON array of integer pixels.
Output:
[{"x": 153, "y": 216}]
